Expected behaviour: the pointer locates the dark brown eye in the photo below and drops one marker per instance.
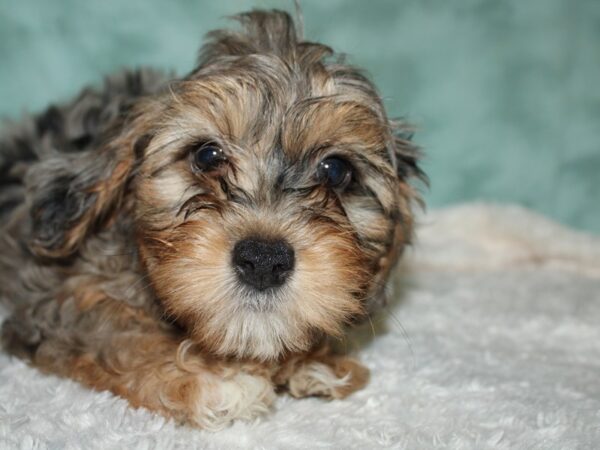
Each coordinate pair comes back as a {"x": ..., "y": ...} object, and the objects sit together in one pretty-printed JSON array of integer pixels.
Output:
[
  {"x": 208, "y": 157},
  {"x": 334, "y": 172}
]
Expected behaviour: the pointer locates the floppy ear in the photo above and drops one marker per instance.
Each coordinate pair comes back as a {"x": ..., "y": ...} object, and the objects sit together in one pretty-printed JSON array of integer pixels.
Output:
[{"x": 71, "y": 194}]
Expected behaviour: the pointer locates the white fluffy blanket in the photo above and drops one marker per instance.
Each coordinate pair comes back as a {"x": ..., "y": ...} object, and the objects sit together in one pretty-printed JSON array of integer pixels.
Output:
[{"x": 492, "y": 341}]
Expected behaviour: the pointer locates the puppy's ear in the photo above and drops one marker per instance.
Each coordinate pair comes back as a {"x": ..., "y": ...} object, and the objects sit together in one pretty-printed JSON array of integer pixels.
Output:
[
  {"x": 71, "y": 194},
  {"x": 406, "y": 154}
]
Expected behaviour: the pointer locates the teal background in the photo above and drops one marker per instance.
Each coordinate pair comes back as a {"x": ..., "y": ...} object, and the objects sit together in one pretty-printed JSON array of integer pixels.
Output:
[{"x": 505, "y": 94}]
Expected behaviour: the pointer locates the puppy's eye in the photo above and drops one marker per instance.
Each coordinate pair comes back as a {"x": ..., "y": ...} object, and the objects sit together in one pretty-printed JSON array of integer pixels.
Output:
[
  {"x": 208, "y": 157},
  {"x": 334, "y": 172}
]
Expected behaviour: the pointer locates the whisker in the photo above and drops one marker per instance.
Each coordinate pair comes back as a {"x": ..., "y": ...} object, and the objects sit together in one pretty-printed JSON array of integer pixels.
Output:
[{"x": 406, "y": 337}]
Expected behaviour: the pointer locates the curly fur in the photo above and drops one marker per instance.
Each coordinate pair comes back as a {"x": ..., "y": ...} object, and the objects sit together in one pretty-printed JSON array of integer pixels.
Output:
[{"x": 115, "y": 254}]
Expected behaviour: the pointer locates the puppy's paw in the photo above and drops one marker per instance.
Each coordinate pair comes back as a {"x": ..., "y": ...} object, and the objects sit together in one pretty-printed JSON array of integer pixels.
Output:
[
  {"x": 241, "y": 396},
  {"x": 334, "y": 378}
]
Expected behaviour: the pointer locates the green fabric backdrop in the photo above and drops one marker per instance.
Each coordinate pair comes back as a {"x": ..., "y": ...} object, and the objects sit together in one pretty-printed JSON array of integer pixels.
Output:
[{"x": 505, "y": 93}]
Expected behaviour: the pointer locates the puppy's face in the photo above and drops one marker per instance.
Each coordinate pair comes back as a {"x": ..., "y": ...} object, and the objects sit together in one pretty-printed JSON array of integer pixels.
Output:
[
  {"x": 269, "y": 203},
  {"x": 268, "y": 189}
]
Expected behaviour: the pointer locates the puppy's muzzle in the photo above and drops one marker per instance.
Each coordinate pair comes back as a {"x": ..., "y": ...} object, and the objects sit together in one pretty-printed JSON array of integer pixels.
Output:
[{"x": 263, "y": 264}]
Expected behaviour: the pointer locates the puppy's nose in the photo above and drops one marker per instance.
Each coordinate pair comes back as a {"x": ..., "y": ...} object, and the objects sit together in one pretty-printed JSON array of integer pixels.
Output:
[{"x": 263, "y": 264}]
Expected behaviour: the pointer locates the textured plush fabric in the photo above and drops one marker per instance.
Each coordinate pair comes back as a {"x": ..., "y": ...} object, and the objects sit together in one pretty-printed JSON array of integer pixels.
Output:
[
  {"x": 504, "y": 93},
  {"x": 491, "y": 341}
]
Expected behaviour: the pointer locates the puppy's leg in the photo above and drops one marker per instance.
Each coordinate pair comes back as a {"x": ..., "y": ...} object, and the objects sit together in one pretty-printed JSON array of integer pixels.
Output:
[
  {"x": 322, "y": 373},
  {"x": 120, "y": 349}
]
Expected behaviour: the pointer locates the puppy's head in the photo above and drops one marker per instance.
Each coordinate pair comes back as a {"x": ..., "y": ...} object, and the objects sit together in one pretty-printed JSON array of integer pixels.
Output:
[{"x": 270, "y": 191}]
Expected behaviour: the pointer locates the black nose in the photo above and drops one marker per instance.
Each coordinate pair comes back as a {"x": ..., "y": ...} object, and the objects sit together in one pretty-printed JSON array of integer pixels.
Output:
[{"x": 263, "y": 264}]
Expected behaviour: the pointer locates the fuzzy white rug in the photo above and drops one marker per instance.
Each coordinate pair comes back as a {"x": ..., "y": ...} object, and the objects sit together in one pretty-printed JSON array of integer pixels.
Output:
[{"x": 493, "y": 341}]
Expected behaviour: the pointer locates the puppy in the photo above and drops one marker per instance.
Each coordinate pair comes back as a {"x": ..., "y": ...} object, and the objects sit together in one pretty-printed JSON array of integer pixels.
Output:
[{"x": 193, "y": 244}]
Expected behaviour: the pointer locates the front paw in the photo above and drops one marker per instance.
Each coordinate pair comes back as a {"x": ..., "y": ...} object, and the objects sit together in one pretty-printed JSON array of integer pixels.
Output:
[
  {"x": 238, "y": 397},
  {"x": 335, "y": 377}
]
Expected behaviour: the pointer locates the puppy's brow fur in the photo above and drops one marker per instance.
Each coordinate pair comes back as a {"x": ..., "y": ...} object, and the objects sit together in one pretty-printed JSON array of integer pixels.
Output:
[{"x": 115, "y": 253}]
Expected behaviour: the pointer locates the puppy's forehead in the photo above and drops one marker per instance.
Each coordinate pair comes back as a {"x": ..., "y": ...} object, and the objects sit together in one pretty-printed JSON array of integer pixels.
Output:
[{"x": 285, "y": 111}]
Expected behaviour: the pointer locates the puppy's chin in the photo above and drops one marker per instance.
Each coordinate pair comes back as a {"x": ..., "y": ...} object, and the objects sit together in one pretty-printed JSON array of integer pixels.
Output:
[{"x": 247, "y": 332}]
